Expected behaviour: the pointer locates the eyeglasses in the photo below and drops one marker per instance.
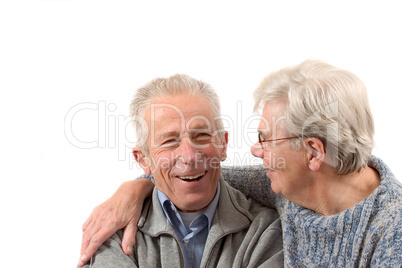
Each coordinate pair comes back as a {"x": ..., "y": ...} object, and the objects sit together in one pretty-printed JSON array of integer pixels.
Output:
[{"x": 264, "y": 143}]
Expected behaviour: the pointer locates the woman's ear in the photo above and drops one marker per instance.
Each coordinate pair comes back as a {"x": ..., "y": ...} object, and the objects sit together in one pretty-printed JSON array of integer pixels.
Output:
[
  {"x": 315, "y": 153},
  {"x": 142, "y": 160}
]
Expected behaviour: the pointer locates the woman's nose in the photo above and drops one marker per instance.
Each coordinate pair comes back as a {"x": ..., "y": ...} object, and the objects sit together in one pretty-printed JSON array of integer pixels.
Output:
[{"x": 256, "y": 150}]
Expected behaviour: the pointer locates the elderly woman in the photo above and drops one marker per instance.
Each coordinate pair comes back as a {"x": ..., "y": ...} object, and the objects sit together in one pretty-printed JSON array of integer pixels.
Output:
[{"x": 339, "y": 205}]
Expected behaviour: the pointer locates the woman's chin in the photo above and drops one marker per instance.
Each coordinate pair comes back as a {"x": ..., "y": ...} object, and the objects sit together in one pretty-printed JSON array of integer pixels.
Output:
[
  {"x": 275, "y": 185},
  {"x": 269, "y": 173}
]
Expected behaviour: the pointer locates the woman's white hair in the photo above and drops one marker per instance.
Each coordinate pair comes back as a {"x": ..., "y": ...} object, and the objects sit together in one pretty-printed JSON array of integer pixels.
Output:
[
  {"x": 325, "y": 102},
  {"x": 177, "y": 84}
]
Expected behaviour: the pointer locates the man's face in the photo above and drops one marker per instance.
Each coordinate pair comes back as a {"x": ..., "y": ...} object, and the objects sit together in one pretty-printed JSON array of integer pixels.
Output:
[{"x": 185, "y": 150}]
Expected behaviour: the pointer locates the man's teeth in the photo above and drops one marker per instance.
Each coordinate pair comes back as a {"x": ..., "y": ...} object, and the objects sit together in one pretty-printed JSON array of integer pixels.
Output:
[{"x": 192, "y": 177}]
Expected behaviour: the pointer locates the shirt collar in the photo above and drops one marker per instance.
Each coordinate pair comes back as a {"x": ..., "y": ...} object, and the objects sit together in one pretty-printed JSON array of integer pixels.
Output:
[{"x": 209, "y": 211}]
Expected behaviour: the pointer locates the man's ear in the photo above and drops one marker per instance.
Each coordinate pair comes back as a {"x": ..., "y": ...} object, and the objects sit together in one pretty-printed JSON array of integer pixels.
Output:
[
  {"x": 315, "y": 153},
  {"x": 142, "y": 160},
  {"x": 225, "y": 141}
]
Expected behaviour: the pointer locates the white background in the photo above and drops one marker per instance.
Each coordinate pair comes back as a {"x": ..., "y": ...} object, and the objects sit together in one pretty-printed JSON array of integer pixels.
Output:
[{"x": 55, "y": 55}]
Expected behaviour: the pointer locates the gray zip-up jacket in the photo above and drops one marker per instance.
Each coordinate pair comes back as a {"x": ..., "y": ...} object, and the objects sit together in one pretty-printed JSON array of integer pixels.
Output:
[{"x": 243, "y": 234}]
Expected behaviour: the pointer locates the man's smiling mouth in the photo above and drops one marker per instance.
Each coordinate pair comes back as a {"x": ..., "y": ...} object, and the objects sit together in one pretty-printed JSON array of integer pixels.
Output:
[{"x": 192, "y": 178}]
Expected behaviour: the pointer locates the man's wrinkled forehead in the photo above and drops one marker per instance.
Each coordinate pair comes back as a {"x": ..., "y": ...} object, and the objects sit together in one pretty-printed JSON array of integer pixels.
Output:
[
  {"x": 174, "y": 113},
  {"x": 194, "y": 127}
]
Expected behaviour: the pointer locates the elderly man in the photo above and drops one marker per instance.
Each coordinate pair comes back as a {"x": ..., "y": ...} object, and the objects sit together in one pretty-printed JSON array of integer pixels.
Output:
[{"x": 188, "y": 222}]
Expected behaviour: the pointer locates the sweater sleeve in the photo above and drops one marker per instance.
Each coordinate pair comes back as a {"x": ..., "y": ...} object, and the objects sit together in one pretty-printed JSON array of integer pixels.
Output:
[{"x": 253, "y": 182}]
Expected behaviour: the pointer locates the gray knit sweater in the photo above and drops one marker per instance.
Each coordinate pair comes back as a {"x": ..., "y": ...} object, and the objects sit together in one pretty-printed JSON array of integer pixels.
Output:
[{"x": 369, "y": 234}]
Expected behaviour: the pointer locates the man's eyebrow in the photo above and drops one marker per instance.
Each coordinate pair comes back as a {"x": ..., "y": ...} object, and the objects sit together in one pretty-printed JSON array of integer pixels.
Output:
[
  {"x": 168, "y": 134},
  {"x": 200, "y": 125}
]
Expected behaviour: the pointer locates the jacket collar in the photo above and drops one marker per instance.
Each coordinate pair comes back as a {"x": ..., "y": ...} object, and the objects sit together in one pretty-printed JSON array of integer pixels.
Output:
[{"x": 229, "y": 217}]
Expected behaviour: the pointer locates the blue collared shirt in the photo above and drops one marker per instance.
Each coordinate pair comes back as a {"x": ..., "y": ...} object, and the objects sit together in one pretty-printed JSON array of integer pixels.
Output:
[{"x": 193, "y": 241}]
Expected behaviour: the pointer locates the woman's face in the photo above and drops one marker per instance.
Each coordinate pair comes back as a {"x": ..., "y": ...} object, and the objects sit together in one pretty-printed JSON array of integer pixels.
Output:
[{"x": 286, "y": 166}]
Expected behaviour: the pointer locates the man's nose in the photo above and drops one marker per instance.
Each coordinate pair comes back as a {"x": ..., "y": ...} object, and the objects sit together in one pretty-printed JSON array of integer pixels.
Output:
[
  {"x": 186, "y": 152},
  {"x": 256, "y": 150}
]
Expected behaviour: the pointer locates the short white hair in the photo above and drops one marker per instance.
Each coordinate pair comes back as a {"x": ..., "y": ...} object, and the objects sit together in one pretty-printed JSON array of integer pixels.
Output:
[
  {"x": 325, "y": 102},
  {"x": 177, "y": 84}
]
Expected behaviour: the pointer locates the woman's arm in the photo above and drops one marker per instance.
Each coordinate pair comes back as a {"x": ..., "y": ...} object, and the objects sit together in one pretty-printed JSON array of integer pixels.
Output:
[
  {"x": 122, "y": 210},
  {"x": 253, "y": 182}
]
